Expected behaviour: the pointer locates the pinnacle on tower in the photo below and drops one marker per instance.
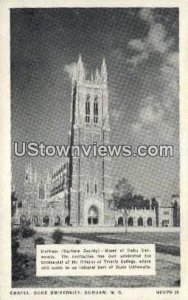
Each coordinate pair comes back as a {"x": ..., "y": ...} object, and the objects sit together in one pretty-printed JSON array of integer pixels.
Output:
[
  {"x": 92, "y": 78},
  {"x": 80, "y": 70},
  {"x": 80, "y": 63},
  {"x": 104, "y": 71},
  {"x": 104, "y": 64},
  {"x": 80, "y": 58},
  {"x": 97, "y": 76}
]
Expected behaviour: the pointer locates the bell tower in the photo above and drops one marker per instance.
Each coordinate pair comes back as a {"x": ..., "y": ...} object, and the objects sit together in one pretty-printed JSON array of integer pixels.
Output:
[{"x": 89, "y": 176}]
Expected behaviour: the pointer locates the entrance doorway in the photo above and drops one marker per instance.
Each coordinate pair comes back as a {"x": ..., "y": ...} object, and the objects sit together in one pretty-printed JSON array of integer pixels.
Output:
[
  {"x": 67, "y": 220},
  {"x": 35, "y": 221},
  {"x": 46, "y": 220},
  {"x": 120, "y": 221},
  {"x": 57, "y": 221},
  {"x": 130, "y": 221},
  {"x": 93, "y": 216},
  {"x": 140, "y": 221},
  {"x": 149, "y": 221}
]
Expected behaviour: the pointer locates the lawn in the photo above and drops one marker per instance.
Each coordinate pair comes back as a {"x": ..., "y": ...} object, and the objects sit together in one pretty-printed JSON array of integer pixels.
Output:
[{"x": 167, "y": 265}]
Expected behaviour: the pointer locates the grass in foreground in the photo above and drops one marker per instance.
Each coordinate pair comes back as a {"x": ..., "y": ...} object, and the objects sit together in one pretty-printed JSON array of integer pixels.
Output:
[{"x": 167, "y": 271}]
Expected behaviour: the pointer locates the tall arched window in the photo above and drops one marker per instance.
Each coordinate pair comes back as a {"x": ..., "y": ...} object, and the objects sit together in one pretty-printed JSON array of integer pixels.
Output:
[
  {"x": 149, "y": 221},
  {"x": 140, "y": 221},
  {"x": 96, "y": 189},
  {"x": 130, "y": 221},
  {"x": 87, "y": 187},
  {"x": 120, "y": 221},
  {"x": 95, "y": 110},
  {"x": 87, "y": 110},
  {"x": 41, "y": 191}
]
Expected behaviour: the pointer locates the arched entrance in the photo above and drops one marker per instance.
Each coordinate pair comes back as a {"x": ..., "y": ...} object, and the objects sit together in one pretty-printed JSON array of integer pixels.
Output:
[
  {"x": 67, "y": 221},
  {"x": 130, "y": 221},
  {"x": 35, "y": 221},
  {"x": 57, "y": 221},
  {"x": 46, "y": 220},
  {"x": 23, "y": 220},
  {"x": 149, "y": 221},
  {"x": 140, "y": 221},
  {"x": 93, "y": 215},
  {"x": 120, "y": 221}
]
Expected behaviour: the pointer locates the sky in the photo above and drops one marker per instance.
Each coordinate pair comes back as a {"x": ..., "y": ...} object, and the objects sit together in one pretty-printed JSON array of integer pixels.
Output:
[{"x": 141, "y": 51}]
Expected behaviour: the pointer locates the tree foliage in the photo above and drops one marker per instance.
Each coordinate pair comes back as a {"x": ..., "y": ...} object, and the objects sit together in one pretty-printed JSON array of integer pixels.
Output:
[
  {"x": 123, "y": 197},
  {"x": 123, "y": 193},
  {"x": 13, "y": 203},
  {"x": 57, "y": 236}
]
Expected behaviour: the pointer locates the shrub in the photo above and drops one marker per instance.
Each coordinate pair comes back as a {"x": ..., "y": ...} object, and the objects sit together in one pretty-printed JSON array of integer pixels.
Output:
[
  {"x": 27, "y": 232},
  {"x": 20, "y": 263},
  {"x": 39, "y": 241},
  {"x": 15, "y": 231},
  {"x": 15, "y": 240},
  {"x": 57, "y": 236},
  {"x": 15, "y": 245}
]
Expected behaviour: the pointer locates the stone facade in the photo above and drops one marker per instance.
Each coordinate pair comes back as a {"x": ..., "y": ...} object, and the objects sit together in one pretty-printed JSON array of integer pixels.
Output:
[
  {"x": 136, "y": 217},
  {"x": 45, "y": 198},
  {"x": 166, "y": 216}
]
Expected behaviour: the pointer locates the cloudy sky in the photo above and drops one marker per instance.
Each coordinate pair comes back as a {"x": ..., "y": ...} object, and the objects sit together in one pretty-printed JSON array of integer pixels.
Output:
[{"x": 141, "y": 51}]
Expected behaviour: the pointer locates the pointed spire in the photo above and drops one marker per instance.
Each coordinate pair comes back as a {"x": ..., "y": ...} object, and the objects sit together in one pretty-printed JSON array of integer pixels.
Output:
[
  {"x": 80, "y": 70},
  {"x": 92, "y": 78},
  {"x": 104, "y": 71},
  {"x": 104, "y": 64},
  {"x": 80, "y": 58},
  {"x": 97, "y": 76}
]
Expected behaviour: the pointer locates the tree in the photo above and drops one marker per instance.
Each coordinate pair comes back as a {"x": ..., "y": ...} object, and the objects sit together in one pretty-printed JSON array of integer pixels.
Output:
[
  {"x": 155, "y": 205},
  {"x": 138, "y": 201},
  {"x": 20, "y": 261},
  {"x": 147, "y": 204},
  {"x": 13, "y": 202},
  {"x": 123, "y": 194},
  {"x": 57, "y": 236}
]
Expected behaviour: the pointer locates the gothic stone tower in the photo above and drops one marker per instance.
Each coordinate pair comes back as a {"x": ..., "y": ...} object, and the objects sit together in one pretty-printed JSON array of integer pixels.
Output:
[
  {"x": 36, "y": 195},
  {"x": 89, "y": 176}
]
